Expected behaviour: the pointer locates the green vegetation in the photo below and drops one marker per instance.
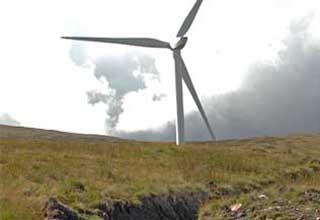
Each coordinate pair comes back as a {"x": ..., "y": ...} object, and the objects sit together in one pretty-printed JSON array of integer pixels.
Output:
[{"x": 80, "y": 174}]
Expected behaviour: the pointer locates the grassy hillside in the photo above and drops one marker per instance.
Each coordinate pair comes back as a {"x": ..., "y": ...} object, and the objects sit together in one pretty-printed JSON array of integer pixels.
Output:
[
  {"x": 23, "y": 134},
  {"x": 269, "y": 177}
]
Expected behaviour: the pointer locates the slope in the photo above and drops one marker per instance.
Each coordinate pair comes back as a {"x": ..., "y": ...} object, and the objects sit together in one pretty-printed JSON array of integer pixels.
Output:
[{"x": 271, "y": 177}]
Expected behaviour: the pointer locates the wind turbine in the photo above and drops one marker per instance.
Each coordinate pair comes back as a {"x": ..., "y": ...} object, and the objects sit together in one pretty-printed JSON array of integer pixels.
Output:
[{"x": 181, "y": 72}]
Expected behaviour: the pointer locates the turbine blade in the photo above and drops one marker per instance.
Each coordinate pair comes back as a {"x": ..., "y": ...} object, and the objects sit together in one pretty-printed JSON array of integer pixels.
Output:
[
  {"x": 186, "y": 78},
  {"x": 141, "y": 42},
  {"x": 189, "y": 19}
]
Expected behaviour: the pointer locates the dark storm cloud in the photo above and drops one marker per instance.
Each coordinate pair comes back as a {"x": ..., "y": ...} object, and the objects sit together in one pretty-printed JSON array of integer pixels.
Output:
[
  {"x": 6, "y": 119},
  {"x": 276, "y": 98}
]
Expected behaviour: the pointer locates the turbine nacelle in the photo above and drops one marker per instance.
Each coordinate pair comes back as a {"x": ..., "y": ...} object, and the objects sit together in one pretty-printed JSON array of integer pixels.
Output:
[{"x": 179, "y": 43}]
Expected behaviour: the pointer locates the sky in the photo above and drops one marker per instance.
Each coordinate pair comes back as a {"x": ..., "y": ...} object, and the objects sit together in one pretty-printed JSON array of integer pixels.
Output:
[{"x": 46, "y": 82}]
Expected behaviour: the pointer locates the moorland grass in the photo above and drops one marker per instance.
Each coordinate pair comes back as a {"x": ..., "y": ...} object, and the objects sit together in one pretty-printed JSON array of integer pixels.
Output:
[{"x": 81, "y": 174}]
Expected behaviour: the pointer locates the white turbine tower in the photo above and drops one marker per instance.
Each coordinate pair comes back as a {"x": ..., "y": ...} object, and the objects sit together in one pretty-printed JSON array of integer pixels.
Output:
[{"x": 181, "y": 71}]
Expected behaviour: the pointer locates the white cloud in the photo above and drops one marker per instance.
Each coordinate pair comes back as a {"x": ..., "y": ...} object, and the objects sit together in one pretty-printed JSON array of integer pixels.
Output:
[{"x": 6, "y": 119}]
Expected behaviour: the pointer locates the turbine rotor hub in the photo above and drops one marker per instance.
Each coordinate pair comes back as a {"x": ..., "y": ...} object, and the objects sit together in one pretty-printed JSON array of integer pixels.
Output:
[{"x": 180, "y": 43}]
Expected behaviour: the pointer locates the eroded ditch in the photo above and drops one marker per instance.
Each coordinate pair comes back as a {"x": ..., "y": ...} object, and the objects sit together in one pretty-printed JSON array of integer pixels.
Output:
[{"x": 181, "y": 206}]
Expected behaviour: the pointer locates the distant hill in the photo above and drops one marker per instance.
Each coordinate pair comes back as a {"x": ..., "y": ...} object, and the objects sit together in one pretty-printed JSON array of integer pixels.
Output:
[{"x": 22, "y": 133}]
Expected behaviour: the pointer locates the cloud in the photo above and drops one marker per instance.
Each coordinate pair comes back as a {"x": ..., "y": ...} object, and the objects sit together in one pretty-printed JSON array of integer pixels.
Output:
[
  {"x": 6, "y": 119},
  {"x": 158, "y": 97},
  {"x": 277, "y": 97},
  {"x": 119, "y": 76},
  {"x": 78, "y": 54}
]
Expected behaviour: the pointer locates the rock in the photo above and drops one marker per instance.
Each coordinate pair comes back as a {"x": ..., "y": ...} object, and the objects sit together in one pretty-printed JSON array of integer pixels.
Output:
[
  {"x": 268, "y": 209},
  {"x": 236, "y": 207},
  {"x": 262, "y": 196},
  {"x": 278, "y": 208}
]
